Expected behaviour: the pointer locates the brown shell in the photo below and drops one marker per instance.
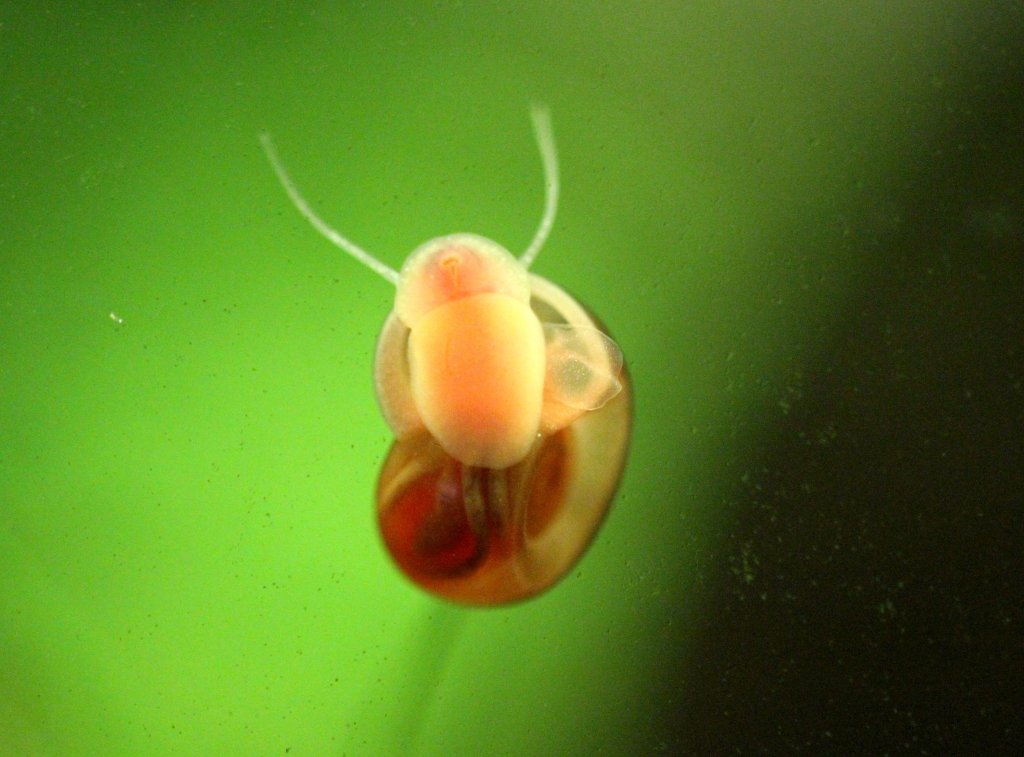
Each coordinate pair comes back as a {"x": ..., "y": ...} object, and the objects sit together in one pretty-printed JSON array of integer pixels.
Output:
[{"x": 486, "y": 537}]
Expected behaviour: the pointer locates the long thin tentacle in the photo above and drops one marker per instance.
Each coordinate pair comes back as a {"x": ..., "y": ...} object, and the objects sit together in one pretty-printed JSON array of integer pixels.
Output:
[
  {"x": 549, "y": 155},
  {"x": 331, "y": 234}
]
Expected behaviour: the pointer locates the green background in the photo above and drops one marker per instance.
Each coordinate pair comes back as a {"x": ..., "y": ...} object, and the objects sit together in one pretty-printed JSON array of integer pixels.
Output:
[{"x": 804, "y": 224}]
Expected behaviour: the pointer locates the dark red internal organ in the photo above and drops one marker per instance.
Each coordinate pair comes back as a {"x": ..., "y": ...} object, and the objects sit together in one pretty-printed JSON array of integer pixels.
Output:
[
  {"x": 465, "y": 532},
  {"x": 427, "y": 527}
]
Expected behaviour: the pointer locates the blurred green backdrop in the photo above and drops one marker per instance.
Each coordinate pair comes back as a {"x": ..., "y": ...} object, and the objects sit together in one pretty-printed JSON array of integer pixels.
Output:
[{"x": 803, "y": 222}]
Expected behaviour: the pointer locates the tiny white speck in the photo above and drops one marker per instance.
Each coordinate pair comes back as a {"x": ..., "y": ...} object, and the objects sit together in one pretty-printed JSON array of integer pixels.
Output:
[{"x": 116, "y": 318}]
